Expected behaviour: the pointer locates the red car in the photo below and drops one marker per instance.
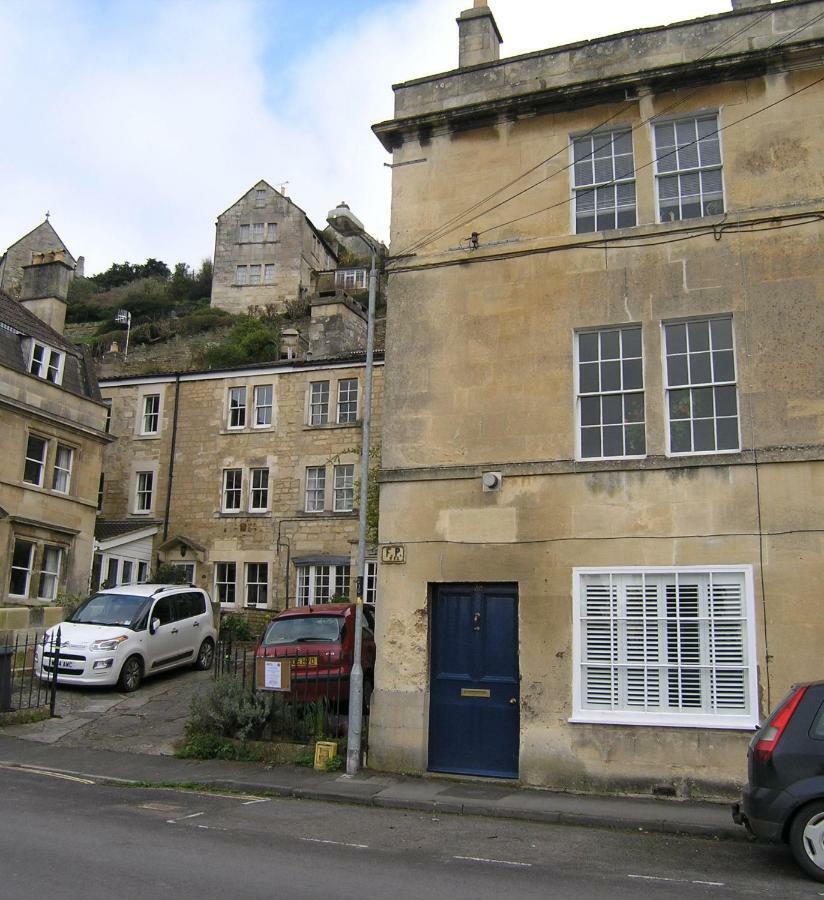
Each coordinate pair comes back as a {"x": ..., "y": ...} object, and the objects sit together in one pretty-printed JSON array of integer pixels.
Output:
[{"x": 320, "y": 641}]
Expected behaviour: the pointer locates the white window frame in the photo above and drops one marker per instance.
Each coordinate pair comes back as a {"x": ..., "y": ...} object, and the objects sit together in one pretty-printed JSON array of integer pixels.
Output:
[
  {"x": 329, "y": 580},
  {"x": 144, "y": 492},
  {"x": 62, "y": 471},
  {"x": 271, "y": 231},
  {"x": 243, "y": 233},
  {"x": 259, "y": 489},
  {"x": 258, "y": 229},
  {"x": 228, "y": 491},
  {"x": 49, "y": 580},
  {"x": 315, "y": 489},
  {"x": 40, "y": 462},
  {"x": 354, "y": 279},
  {"x": 347, "y": 402},
  {"x": 255, "y": 585},
  {"x": 687, "y": 170},
  {"x": 262, "y": 403},
  {"x": 712, "y": 385},
  {"x": 254, "y": 275},
  {"x": 268, "y": 273},
  {"x": 319, "y": 392},
  {"x": 343, "y": 497},
  {"x": 615, "y": 636},
  {"x": 242, "y": 275},
  {"x": 236, "y": 407},
  {"x": 623, "y": 392},
  {"x": 598, "y": 140},
  {"x": 47, "y": 364},
  {"x": 27, "y": 569},
  {"x": 226, "y": 581},
  {"x": 150, "y": 417},
  {"x": 370, "y": 587}
]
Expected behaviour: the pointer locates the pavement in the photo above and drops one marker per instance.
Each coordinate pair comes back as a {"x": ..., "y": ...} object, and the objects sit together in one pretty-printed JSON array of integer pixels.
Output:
[{"x": 108, "y": 736}]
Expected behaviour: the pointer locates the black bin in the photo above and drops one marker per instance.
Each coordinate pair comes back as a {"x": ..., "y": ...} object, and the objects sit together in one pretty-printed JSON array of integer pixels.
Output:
[{"x": 6, "y": 659}]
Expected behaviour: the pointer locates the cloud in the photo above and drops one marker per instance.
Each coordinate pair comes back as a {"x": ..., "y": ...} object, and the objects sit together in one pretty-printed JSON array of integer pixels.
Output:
[{"x": 137, "y": 124}]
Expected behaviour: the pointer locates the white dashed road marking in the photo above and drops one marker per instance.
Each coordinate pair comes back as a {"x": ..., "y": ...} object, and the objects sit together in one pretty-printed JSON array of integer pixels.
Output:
[
  {"x": 336, "y": 843},
  {"x": 678, "y": 880},
  {"x": 495, "y": 862}
]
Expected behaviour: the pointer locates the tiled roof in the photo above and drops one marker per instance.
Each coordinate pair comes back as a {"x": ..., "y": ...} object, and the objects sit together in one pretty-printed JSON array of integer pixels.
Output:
[
  {"x": 107, "y": 529},
  {"x": 17, "y": 321}
]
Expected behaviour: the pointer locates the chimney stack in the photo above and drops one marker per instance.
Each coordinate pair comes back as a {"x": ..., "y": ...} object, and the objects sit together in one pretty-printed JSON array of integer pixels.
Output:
[
  {"x": 45, "y": 287},
  {"x": 479, "y": 40}
]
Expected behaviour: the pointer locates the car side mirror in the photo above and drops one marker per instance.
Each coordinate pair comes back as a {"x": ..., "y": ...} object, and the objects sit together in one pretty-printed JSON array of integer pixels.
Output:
[{"x": 154, "y": 624}]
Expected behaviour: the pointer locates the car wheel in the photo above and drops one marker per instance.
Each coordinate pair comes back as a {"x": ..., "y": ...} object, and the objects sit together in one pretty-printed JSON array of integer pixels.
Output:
[
  {"x": 130, "y": 675},
  {"x": 807, "y": 839},
  {"x": 206, "y": 655}
]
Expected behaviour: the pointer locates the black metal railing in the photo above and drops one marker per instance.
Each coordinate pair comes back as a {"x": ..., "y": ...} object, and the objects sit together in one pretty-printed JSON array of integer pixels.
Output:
[
  {"x": 315, "y": 707},
  {"x": 20, "y": 658}
]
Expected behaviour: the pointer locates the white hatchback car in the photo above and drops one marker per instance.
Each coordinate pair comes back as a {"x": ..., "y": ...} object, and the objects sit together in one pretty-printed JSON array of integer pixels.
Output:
[{"x": 123, "y": 634}]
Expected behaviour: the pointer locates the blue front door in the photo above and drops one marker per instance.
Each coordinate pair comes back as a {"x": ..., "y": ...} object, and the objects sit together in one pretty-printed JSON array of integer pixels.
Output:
[{"x": 474, "y": 719}]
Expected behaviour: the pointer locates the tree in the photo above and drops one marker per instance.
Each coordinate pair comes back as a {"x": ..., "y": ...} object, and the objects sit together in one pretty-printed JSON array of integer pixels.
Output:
[{"x": 250, "y": 340}]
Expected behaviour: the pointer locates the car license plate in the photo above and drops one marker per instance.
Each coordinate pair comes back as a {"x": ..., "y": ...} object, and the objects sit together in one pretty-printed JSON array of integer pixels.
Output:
[
  {"x": 65, "y": 665},
  {"x": 306, "y": 661}
]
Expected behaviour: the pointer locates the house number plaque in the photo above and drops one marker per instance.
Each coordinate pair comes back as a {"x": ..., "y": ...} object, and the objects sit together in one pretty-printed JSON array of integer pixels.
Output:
[{"x": 393, "y": 553}]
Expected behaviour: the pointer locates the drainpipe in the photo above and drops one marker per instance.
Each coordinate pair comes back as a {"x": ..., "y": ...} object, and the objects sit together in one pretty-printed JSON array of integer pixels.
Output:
[{"x": 171, "y": 459}]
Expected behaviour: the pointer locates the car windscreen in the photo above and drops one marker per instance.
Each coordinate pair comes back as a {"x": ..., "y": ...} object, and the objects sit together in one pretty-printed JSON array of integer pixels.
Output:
[
  {"x": 109, "y": 609},
  {"x": 303, "y": 629}
]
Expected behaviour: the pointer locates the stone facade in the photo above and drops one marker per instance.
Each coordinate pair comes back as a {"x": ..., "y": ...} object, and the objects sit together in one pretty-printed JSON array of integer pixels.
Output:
[
  {"x": 489, "y": 353},
  {"x": 41, "y": 239},
  {"x": 266, "y": 252},
  {"x": 52, "y": 434},
  {"x": 203, "y": 523}
]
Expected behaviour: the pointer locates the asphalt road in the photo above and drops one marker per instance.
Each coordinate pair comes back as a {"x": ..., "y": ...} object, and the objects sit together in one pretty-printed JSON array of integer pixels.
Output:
[{"x": 67, "y": 837}]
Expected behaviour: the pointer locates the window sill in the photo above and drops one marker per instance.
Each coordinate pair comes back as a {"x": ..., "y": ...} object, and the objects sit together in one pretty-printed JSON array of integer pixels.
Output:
[
  {"x": 327, "y": 426},
  {"x": 248, "y": 429},
  {"x": 153, "y": 436},
  {"x": 722, "y": 723},
  {"x": 243, "y": 514},
  {"x": 326, "y": 514}
]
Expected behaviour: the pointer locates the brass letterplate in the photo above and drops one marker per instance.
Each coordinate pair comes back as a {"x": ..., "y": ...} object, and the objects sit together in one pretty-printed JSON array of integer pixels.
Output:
[{"x": 474, "y": 692}]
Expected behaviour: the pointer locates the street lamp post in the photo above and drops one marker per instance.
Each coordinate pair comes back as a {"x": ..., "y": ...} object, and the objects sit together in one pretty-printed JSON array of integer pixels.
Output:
[
  {"x": 124, "y": 317},
  {"x": 342, "y": 220}
]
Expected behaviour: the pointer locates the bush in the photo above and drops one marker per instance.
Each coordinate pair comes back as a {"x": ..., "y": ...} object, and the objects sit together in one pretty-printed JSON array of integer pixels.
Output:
[
  {"x": 250, "y": 341},
  {"x": 235, "y": 628},
  {"x": 166, "y": 573},
  {"x": 229, "y": 710}
]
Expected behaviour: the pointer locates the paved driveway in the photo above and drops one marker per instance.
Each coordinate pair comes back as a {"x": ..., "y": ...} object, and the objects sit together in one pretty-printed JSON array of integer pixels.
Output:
[{"x": 151, "y": 720}]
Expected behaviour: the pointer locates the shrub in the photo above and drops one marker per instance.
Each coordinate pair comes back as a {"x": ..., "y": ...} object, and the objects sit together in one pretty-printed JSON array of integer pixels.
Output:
[
  {"x": 235, "y": 628},
  {"x": 250, "y": 341},
  {"x": 229, "y": 710},
  {"x": 166, "y": 573}
]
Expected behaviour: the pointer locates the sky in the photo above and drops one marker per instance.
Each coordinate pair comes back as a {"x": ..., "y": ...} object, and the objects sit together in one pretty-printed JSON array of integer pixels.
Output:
[{"x": 135, "y": 123}]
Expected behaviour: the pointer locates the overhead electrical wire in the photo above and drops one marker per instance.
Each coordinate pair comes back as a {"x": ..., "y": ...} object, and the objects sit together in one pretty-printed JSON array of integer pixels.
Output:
[{"x": 450, "y": 226}]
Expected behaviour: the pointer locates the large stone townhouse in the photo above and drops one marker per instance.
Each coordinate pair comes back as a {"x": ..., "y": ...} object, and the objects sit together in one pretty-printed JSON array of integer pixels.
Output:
[
  {"x": 245, "y": 477},
  {"x": 52, "y": 435},
  {"x": 603, "y": 455}
]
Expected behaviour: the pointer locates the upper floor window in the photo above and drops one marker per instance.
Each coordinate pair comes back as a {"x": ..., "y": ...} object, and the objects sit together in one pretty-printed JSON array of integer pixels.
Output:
[
  {"x": 269, "y": 273},
  {"x": 665, "y": 647},
  {"x": 702, "y": 401},
  {"x": 232, "y": 489},
  {"x": 611, "y": 393},
  {"x": 259, "y": 490},
  {"x": 254, "y": 274},
  {"x": 271, "y": 231},
  {"x": 353, "y": 279},
  {"x": 150, "y": 423},
  {"x": 315, "y": 489},
  {"x": 237, "y": 407},
  {"x": 35, "y": 464},
  {"x": 144, "y": 492},
  {"x": 344, "y": 498},
  {"x": 319, "y": 403},
  {"x": 243, "y": 233},
  {"x": 257, "y": 232},
  {"x": 347, "y": 400},
  {"x": 46, "y": 363},
  {"x": 241, "y": 275},
  {"x": 604, "y": 181},
  {"x": 688, "y": 168},
  {"x": 260, "y": 197},
  {"x": 263, "y": 405},
  {"x": 62, "y": 475}
]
